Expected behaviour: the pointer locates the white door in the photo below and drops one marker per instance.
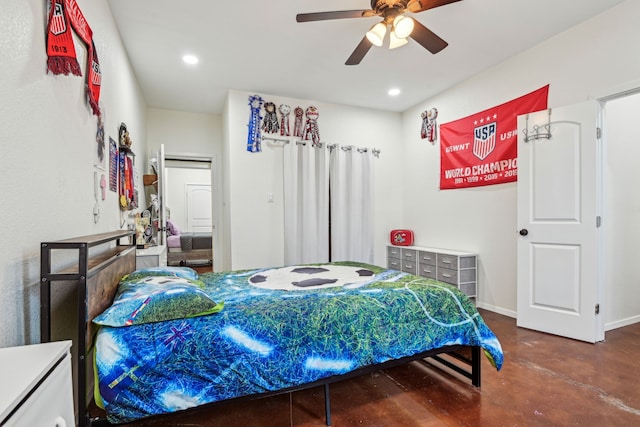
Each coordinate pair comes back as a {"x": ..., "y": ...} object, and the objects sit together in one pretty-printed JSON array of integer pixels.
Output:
[
  {"x": 558, "y": 185},
  {"x": 199, "y": 216}
]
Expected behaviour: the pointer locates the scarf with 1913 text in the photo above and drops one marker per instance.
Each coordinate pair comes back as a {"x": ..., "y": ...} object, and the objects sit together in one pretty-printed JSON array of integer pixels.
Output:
[{"x": 61, "y": 51}]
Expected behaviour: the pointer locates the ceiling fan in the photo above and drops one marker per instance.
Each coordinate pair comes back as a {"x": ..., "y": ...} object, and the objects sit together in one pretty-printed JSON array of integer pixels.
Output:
[{"x": 392, "y": 13}]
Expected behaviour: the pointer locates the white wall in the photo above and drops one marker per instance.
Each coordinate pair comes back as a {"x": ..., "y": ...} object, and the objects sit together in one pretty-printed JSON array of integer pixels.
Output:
[
  {"x": 48, "y": 139},
  {"x": 183, "y": 132},
  {"x": 589, "y": 59},
  {"x": 255, "y": 228}
]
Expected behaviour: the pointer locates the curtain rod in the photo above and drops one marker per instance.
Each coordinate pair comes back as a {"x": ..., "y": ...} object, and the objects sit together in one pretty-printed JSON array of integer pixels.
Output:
[{"x": 374, "y": 151}]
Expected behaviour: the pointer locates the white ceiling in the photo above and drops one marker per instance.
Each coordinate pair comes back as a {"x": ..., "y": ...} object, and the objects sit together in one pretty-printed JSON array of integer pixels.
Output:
[{"x": 257, "y": 46}]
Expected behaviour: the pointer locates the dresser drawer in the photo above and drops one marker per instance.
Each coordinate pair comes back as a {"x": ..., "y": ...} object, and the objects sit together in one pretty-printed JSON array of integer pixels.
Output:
[
  {"x": 425, "y": 257},
  {"x": 394, "y": 252},
  {"x": 410, "y": 255},
  {"x": 427, "y": 270},
  {"x": 448, "y": 275},
  {"x": 469, "y": 289},
  {"x": 50, "y": 404},
  {"x": 394, "y": 264},
  {"x": 468, "y": 275},
  {"x": 448, "y": 261},
  {"x": 467, "y": 261},
  {"x": 409, "y": 267}
]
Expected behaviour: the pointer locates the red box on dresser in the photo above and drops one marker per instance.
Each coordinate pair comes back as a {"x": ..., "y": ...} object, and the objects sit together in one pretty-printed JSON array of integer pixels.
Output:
[{"x": 401, "y": 237}]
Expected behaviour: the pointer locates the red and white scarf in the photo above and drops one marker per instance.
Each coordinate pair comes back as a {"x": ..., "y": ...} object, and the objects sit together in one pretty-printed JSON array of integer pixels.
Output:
[{"x": 61, "y": 51}]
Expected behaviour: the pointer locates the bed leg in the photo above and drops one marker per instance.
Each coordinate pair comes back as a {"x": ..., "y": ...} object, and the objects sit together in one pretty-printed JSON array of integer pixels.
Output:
[
  {"x": 327, "y": 404},
  {"x": 476, "y": 359}
]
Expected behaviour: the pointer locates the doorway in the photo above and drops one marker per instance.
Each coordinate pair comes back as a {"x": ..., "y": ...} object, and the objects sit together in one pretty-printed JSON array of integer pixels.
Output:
[
  {"x": 189, "y": 198},
  {"x": 621, "y": 210}
]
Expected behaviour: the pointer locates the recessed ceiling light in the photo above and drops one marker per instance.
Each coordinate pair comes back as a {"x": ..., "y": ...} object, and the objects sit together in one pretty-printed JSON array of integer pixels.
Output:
[
  {"x": 394, "y": 92},
  {"x": 190, "y": 59}
]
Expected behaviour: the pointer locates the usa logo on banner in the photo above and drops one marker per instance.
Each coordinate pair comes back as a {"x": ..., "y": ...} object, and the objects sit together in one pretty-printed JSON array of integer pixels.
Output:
[{"x": 482, "y": 149}]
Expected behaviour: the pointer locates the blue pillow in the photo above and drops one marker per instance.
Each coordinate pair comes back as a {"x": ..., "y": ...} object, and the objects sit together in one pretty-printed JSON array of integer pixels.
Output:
[
  {"x": 156, "y": 299},
  {"x": 183, "y": 272}
]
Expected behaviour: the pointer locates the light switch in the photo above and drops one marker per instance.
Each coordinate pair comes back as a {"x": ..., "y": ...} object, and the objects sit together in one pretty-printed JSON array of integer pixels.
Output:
[{"x": 269, "y": 197}]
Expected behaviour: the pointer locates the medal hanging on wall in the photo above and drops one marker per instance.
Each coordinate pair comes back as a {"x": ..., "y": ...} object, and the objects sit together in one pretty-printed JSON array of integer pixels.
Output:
[
  {"x": 311, "y": 131},
  {"x": 100, "y": 140},
  {"x": 285, "y": 110},
  {"x": 254, "y": 138},
  {"x": 270, "y": 121},
  {"x": 297, "y": 126},
  {"x": 429, "y": 125}
]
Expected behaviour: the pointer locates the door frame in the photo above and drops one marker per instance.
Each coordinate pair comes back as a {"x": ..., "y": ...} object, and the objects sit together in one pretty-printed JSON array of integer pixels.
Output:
[
  {"x": 218, "y": 255},
  {"x": 617, "y": 92}
]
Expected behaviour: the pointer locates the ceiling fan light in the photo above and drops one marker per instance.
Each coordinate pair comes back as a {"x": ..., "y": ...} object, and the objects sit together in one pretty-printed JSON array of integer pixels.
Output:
[
  {"x": 376, "y": 34},
  {"x": 403, "y": 26},
  {"x": 395, "y": 41}
]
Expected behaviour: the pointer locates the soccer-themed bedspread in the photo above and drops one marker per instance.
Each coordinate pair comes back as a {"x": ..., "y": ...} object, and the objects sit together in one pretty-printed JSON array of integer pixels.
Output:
[{"x": 174, "y": 340}]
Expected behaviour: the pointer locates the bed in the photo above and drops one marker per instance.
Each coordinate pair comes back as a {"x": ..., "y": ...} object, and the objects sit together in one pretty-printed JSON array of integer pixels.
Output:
[
  {"x": 185, "y": 248},
  {"x": 172, "y": 339}
]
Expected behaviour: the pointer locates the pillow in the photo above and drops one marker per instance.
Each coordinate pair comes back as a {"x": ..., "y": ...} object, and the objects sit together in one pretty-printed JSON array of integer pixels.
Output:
[
  {"x": 182, "y": 272},
  {"x": 172, "y": 228},
  {"x": 155, "y": 299}
]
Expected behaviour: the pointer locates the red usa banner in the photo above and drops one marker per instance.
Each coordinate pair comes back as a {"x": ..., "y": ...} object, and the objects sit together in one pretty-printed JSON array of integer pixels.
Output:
[{"x": 482, "y": 149}]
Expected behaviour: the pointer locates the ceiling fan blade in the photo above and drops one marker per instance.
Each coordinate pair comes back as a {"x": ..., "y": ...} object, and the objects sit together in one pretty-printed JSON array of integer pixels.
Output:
[
  {"x": 323, "y": 16},
  {"x": 427, "y": 38},
  {"x": 416, "y": 6},
  {"x": 359, "y": 52}
]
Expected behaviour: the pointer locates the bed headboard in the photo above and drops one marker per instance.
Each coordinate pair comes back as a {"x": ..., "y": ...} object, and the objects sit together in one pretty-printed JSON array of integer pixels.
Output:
[
  {"x": 102, "y": 286},
  {"x": 75, "y": 290}
]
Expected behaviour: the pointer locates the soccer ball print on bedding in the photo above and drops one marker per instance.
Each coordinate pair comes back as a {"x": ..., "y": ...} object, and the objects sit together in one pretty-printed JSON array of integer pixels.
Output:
[{"x": 300, "y": 278}]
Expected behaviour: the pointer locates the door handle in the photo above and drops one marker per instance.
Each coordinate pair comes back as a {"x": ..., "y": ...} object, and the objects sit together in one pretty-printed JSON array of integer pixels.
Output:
[{"x": 524, "y": 232}]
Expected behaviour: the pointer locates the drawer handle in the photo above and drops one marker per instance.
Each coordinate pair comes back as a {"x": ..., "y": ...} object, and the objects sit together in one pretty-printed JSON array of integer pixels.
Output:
[
  {"x": 426, "y": 271},
  {"x": 408, "y": 255},
  {"x": 448, "y": 276},
  {"x": 446, "y": 261}
]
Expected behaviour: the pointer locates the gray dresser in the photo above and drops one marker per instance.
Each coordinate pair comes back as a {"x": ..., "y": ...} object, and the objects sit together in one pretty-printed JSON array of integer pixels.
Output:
[{"x": 454, "y": 267}]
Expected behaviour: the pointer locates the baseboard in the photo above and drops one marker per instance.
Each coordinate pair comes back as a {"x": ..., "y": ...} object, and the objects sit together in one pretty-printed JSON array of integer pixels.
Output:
[
  {"x": 607, "y": 327},
  {"x": 621, "y": 323},
  {"x": 499, "y": 310}
]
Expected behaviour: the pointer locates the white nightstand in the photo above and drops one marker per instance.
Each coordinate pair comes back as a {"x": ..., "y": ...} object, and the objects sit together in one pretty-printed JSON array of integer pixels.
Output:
[
  {"x": 36, "y": 386},
  {"x": 153, "y": 256}
]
